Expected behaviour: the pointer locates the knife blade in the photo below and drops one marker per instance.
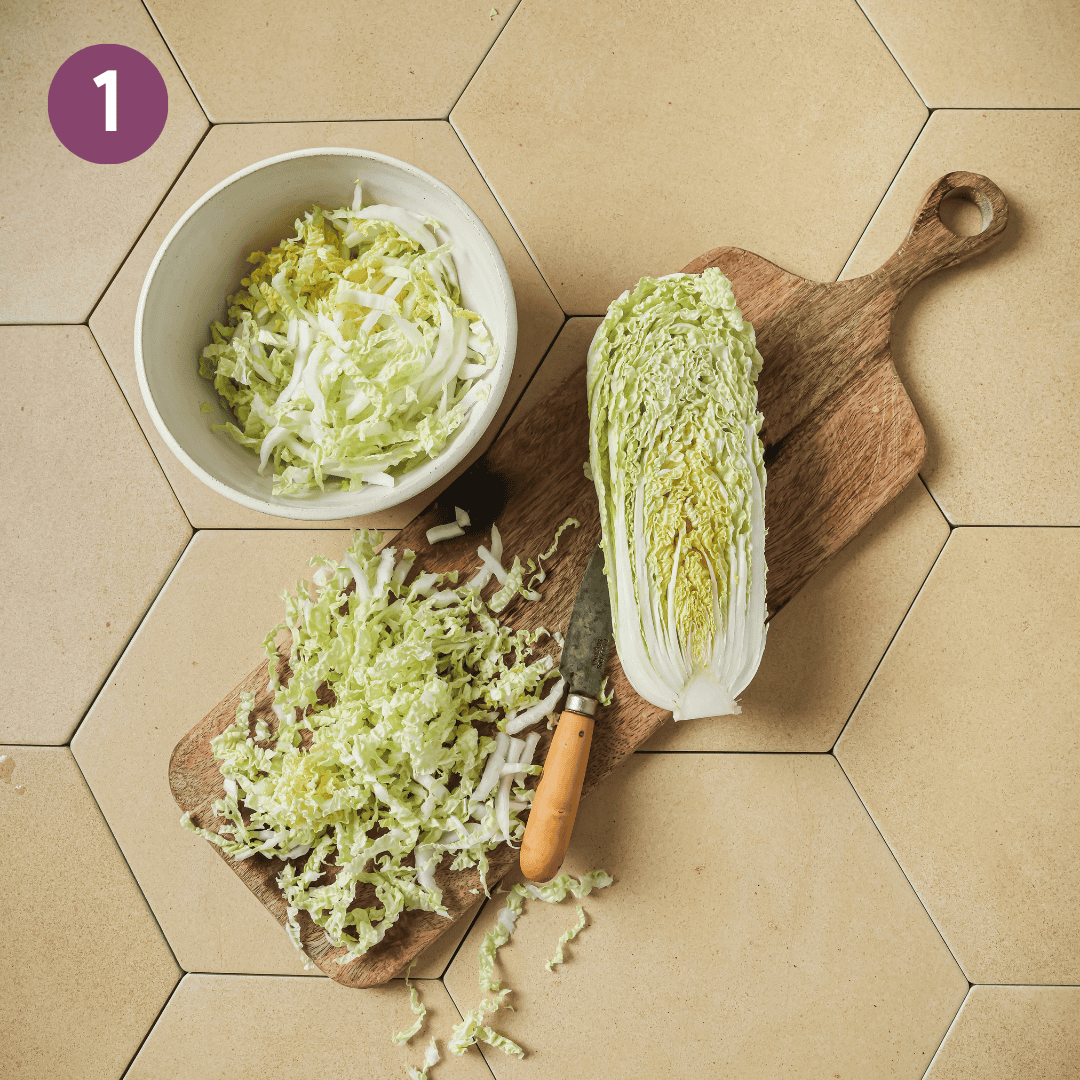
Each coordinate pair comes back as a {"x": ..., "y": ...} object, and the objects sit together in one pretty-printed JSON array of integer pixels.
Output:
[
  {"x": 588, "y": 637},
  {"x": 584, "y": 657}
]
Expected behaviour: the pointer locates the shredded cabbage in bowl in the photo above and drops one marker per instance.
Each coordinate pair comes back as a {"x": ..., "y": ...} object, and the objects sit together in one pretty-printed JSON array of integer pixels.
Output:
[
  {"x": 376, "y": 769},
  {"x": 348, "y": 358}
]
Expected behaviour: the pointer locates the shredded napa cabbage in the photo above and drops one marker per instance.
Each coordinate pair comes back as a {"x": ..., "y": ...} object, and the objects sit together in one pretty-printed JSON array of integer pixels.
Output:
[
  {"x": 347, "y": 357},
  {"x": 419, "y": 1011},
  {"x": 431, "y": 1057},
  {"x": 565, "y": 939},
  {"x": 680, "y": 476},
  {"x": 373, "y": 771},
  {"x": 472, "y": 1028}
]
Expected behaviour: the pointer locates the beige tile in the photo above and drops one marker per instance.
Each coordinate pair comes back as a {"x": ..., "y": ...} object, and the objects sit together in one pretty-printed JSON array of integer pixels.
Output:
[
  {"x": 989, "y": 350},
  {"x": 964, "y": 750},
  {"x": 435, "y": 959},
  {"x": 90, "y": 531},
  {"x": 234, "y": 1027},
  {"x": 1004, "y": 54},
  {"x": 625, "y": 140},
  {"x": 1005, "y": 1032},
  {"x": 757, "y": 927},
  {"x": 432, "y": 146},
  {"x": 201, "y": 638},
  {"x": 565, "y": 356},
  {"x": 66, "y": 224},
  {"x": 823, "y": 646},
  {"x": 341, "y": 61},
  {"x": 83, "y": 966}
]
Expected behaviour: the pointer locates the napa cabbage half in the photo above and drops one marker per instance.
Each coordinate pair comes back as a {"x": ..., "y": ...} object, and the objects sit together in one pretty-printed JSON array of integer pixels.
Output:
[{"x": 677, "y": 461}]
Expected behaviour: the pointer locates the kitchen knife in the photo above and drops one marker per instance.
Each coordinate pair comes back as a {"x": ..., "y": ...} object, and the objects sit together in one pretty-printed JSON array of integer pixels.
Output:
[{"x": 584, "y": 657}]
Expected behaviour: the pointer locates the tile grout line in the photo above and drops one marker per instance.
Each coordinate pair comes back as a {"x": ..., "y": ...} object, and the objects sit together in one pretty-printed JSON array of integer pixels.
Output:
[
  {"x": 127, "y": 644},
  {"x": 900, "y": 867},
  {"x": 1035, "y": 986},
  {"x": 150, "y": 1029},
  {"x": 525, "y": 388},
  {"x": 888, "y": 187},
  {"x": 180, "y": 171},
  {"x": 888, "y": 48},
  {"x": 176, "y": 61},
  {"x": 89, "y": 786},
  {"x": 743, "y": 753},
  {"x": 941, "y": 509},
  {"x": 892, "y": 640},
  {"x": 513, "y": 224},
  {"x": 138, "y": 884},
  {"x": 479, "y": 1050},
  {"x": 308, "y": 978},
  {"x": 1005, "y": 108},
  {"x": 331, "y": 120},
  {"x": 457, "y": 949},
  {"x": 142, "y": 432},
  {"x": 153, "y": 213},
  {"x": 21, "y": 325},
  {"x": 989, "y": 525},
  {"x": 952, "y": 1024},
  {"x": 487, "y": 51}
]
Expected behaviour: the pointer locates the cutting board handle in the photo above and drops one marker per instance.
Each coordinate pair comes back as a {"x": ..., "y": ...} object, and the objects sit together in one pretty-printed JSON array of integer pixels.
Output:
[{"x": 930, "y": 245}]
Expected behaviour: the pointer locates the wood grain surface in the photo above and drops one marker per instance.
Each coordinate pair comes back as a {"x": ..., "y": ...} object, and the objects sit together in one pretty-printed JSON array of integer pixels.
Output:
[{"x": 842, "y": 439}]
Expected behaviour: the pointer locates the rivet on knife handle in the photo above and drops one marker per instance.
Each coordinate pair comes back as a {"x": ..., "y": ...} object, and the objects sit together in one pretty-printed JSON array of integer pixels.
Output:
[{"x": 555, "y": 804}]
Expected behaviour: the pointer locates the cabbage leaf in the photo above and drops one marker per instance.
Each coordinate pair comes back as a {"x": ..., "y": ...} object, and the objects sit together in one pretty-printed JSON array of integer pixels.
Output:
[{"x": 678, "y": 467}]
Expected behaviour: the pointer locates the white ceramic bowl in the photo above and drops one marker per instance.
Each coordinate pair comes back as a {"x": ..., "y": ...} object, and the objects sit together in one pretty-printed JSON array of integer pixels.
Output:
[{"x": 202, "y": 261}]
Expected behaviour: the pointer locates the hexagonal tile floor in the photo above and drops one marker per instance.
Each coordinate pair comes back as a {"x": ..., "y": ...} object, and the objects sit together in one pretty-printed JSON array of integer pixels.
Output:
[
  {"x": 387, "y": 61},
  {"x": 1004, "y": 1032},
  {"x": 267, "y": 1026},
  {"x": 86, "y": 970},
  {"x": 63, "y": 233},
  {"x": 756, "y": 917},
  {"x": 804, "y": 888},
  {"x": 629, "y": 142},
  {"x": 990, "y": 351},
  {"x": 91, "y": 529},
  {"x": 1011, "y": 56},
  {"x": 964, "y": 749}
]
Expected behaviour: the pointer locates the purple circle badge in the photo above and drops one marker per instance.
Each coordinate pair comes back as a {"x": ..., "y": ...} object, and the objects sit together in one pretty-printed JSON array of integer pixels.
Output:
[{"x": 108, "y": 104}]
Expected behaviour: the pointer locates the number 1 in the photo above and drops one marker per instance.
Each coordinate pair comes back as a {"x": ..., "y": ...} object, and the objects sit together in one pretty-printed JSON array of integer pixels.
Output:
[{"x": 108, "y": 80}]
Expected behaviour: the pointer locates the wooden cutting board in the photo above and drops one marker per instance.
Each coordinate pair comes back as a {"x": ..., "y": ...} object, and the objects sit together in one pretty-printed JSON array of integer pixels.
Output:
[{"x": 842, "y": 439}]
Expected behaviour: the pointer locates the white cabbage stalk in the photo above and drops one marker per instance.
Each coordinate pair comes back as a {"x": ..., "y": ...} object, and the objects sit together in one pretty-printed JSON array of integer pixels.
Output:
[{"x": 679, "y": 473}]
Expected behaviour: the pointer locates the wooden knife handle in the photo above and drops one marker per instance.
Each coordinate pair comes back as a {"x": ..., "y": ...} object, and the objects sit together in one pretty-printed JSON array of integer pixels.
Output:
[{"x": 555, "y": 804}]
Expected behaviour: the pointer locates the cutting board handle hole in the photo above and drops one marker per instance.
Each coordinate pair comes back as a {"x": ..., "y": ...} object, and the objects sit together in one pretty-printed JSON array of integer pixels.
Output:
[{"x": 965, "y": 211}]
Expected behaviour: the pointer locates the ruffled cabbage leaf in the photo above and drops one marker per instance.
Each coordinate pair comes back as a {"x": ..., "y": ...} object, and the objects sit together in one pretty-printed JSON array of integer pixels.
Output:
[{"x": 678, "y": 466}]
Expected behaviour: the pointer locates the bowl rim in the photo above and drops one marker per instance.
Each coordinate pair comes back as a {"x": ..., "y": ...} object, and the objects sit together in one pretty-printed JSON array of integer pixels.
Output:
[{"x": 431, "y": 472}]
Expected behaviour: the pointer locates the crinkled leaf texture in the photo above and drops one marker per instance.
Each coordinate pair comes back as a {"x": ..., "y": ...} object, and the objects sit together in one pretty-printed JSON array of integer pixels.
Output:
[
  {"x": 678, "y": 465},
  {"x": 347, "y": 358},
  {"x": 377, "y": 780}
]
